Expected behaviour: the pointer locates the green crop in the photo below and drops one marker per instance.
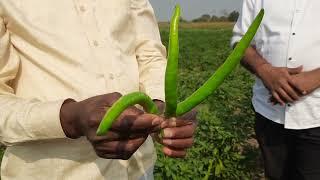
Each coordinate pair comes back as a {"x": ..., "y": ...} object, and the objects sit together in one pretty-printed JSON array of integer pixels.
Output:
[{"x": 174, "y": 109}]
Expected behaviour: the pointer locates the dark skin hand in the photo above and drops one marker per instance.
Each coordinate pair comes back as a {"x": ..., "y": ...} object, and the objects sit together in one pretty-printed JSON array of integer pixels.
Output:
[
  {"x": 127, "y": 134},
  {"x": 279, "y": 80},
  {"x": 177, "y": 134}
]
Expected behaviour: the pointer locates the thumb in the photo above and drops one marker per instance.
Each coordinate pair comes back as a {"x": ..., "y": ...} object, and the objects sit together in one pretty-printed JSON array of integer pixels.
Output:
[
  {"x": 293, "y": 71},
  {"x": 138, "y": 123}
]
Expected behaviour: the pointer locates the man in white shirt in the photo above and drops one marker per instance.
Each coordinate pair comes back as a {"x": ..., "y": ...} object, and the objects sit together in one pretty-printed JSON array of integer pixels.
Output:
[{"x": 285, "y": 59}]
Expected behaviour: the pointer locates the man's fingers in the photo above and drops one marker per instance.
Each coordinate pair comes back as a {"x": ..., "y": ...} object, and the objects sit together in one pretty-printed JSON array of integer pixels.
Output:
[
  {"x": 284, "y": 95},
  {"x": 122, "y": 149},
  {"x": 174, "y": 153},
  {"x": 291, "y": 92},
  {"x": 142, "y": 123},
  {"x": 179, "y": 132},
  {"x": 113, "y": 136},
  {"x": 278, "y": 99},
  {"x": 178, "y": 143},
  {"x": 297, "y": 87},
  {"x": 296, "y": 70},
  {"x": 175, "y": 122}
]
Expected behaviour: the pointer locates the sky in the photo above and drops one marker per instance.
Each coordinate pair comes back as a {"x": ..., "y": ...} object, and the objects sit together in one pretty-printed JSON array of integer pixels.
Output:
[{"x": 192, "y": 9}]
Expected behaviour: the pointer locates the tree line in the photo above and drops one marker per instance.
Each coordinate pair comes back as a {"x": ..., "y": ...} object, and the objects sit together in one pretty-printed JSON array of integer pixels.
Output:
[{"x": 231, "y": 17}]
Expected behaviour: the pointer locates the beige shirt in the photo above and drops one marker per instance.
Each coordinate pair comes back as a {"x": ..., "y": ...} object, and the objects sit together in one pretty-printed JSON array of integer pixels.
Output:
[{"x": 51, "y": 50}]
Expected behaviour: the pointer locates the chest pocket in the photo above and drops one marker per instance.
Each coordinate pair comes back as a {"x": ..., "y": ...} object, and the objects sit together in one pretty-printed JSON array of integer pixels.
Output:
[{"x": 278, "y": 16}]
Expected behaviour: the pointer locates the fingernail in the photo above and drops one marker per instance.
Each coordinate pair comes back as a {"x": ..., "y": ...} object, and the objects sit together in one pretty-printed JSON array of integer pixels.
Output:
[
  {"x": 173, "y": 123},
  {"x": 173, "y": 119},
  {"x": 156, "y": 122},
  {"x": 164, "y": 124},
  {"x": 167, "y": 133},
  {"x": 168, "y": 142}
]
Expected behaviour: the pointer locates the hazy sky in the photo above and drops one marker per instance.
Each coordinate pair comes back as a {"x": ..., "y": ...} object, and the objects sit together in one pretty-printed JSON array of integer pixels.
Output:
[{"x": 193, "y": 8}]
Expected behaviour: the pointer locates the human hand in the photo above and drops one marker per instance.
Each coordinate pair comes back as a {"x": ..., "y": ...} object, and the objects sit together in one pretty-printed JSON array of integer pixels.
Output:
[
  {"x": 177, "y": 134},
  {"x": 280, "y": 83},
  {"x": 306, "y": 82},
  {"x": 126, "y": 135}
]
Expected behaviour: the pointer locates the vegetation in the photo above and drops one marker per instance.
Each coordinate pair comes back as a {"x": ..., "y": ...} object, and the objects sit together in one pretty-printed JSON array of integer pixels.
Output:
[{"x": 227, "y": 17}]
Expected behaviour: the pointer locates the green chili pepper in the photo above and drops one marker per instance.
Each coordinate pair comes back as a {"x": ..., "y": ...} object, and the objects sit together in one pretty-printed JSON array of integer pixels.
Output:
[
  {"x": 122, "y": 104},
  {"x": 172, "y": 66},
  {"x": 172, "y": 109},
  {"x": 218, "y": 77}
]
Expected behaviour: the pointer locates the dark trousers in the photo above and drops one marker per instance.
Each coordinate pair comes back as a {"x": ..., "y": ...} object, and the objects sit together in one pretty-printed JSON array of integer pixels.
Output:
[{"x": 288, "y": 154}]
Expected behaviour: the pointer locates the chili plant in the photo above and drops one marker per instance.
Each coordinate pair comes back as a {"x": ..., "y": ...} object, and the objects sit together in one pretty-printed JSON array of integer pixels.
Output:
[{"x": 173, "y": 108}]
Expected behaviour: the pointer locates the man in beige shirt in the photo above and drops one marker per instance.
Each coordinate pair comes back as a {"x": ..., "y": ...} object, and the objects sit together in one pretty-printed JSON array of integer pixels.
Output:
[{"x": 60, "y": 63}]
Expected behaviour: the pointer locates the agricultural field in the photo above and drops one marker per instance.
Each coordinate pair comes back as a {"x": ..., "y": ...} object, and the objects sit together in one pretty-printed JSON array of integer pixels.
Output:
[
  {"x": 224, "y": 140},
  {"x": 225, "y": 137}
]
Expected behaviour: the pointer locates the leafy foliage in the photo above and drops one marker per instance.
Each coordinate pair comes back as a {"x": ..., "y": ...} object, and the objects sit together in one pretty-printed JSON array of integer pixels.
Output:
[
  {"x": 233, "y": 16},
  {"x": 225, "y": 119}
]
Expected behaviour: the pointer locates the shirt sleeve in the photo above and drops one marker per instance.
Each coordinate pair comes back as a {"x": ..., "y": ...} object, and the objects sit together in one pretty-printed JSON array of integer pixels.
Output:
[
  {"x": 22, "y": 120},
  {"x": 151, "y": 54},
  {"x": 245, "y": 19}
]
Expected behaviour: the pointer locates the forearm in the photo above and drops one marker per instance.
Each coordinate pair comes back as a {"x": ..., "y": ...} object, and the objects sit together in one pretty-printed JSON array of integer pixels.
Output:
[
  {"x": 23, "y": 120},
  {"x": 316, "y": 74},
  {"x": 253, "y": 61}
]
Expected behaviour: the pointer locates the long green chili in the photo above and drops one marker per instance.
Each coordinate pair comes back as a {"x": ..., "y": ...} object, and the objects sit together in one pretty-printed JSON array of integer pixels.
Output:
[
  {"x": 172, "y": 66},
  {"x": 218, "y": 77},
  {"x": 172, "y": 108},
  {"x": 123, "y": 103}
]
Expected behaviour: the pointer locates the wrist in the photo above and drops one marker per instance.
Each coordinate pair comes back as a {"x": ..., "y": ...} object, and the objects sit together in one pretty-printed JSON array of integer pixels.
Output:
[
  {"x": 317, "y": 75},
  {"x": 262, "y": 69},
  {"x": 68, "y": 119}
]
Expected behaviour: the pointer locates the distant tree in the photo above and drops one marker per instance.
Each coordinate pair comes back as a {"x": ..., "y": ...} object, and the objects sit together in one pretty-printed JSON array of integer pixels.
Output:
[
  {"x": 183, "y": 20},
  {"x": 206, "y": 17},
  {"x": 203, "y": 18},
  {"x": 196, "y": 20},
  {"x": 223, "y": 18},
  {"x": 214, "y": 18},
  {"x": 233, "y": 16}
]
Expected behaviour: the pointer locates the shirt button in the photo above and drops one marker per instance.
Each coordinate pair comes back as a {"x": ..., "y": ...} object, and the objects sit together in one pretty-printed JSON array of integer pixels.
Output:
[
  {"x": 111, "y": 76},
  {"x": 95, "y": 43},
  {"x": 82, "y": 9}
]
